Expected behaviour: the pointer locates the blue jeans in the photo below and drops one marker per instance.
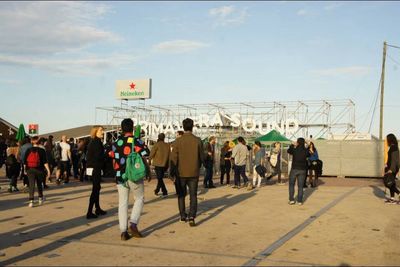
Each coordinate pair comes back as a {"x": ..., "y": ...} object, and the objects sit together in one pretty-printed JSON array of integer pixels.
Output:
[
  {"x": 240, "y": 171},
  {"x": 300, "y": 175},
  {"x": 209, "y": 174}
]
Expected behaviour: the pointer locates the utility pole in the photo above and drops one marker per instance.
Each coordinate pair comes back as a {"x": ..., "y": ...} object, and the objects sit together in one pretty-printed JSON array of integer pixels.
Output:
[{"x": 382, "y": 91}]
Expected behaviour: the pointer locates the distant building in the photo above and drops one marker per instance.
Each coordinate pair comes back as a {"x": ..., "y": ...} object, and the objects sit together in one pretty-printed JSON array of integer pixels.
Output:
[
  {"x": 82, "y": 132},
  {"x": 7, "y": 130}
]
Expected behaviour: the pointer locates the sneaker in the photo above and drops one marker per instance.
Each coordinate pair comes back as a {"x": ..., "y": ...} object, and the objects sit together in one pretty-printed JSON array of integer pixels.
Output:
[
  {"x": 58, "y": 181},
  {"x": 183, "y": 220},
  {"x": 125, "y": 236},
  {"x": 41, "y": 200},
  {"x": 292, "y": 202},
  {"x": 235, "y": 186},
  {"x": 133, "y": 231},
  {"x": 299, "y": 203},
  {"x": 30, "y": 204},
  {"x": 164, "y": 196},
  {"x": 191, "y": 222},
  {"x": 155, "y": 192}
]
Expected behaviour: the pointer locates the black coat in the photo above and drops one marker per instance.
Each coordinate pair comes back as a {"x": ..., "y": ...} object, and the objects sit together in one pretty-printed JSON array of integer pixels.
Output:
[
  {"x": 300, "y": 155},
  {"x": 95, "y": 154}
]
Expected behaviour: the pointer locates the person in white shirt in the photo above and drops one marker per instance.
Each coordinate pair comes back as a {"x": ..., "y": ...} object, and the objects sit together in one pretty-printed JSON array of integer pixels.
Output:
[
  {"x": 239, "y": 153},
  {"x": 65, "y": 160}
]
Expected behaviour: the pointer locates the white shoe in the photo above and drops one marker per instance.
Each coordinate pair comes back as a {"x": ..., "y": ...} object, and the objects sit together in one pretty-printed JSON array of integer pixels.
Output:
[
  {"x": 299, "y": 203},
  {"x": 292, "y": 202},
  {"x": 30, "y": 204},
  {"x": 41, "y": 200}
]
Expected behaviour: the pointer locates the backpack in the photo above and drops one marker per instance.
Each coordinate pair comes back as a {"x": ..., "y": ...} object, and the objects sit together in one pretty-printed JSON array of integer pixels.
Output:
[
  {"x": 135, "y": 169},
  {"x": 33, "y": 159},
  {"x": 11, "y": 160}
]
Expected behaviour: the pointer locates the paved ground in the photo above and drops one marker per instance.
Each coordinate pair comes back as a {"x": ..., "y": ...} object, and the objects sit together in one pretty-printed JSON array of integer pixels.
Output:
[{"x": 343, "y": 222}]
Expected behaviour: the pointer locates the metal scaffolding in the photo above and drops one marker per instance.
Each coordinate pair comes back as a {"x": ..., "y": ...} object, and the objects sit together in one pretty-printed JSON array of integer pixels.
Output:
[{"x": 318, "y": 118}]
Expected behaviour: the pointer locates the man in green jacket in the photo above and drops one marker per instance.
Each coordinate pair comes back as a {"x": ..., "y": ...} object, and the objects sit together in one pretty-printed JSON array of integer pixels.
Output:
[{"x": 187, "y": 157}]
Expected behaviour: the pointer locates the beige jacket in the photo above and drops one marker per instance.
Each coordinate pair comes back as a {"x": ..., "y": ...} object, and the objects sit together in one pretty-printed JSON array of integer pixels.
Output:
[{"x": 159, "y": 154}]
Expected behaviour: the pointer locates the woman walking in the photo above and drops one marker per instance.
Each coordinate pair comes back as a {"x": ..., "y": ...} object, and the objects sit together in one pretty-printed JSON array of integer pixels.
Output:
[
  {"x": 95, "y": 161},
  {"x": 392, "y": 167}
]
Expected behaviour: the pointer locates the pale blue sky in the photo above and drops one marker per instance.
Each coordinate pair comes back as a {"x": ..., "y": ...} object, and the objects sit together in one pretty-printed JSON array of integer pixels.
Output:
[{"x": 59, "y": 60}]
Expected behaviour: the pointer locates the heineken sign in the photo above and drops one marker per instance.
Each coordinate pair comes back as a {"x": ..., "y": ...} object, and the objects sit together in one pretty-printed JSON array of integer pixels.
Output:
[
  {"x": 33, "y": 129},
  {"x": 133, "y": 89}
]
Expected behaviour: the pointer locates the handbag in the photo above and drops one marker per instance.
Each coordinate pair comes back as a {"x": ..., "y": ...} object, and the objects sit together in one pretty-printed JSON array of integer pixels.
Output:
[
  {"x": 389, "y": 180},
  {"x": 261, "y": 170}
]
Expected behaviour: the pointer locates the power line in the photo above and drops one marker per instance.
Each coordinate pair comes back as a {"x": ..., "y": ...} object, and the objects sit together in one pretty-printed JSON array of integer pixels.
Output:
[
  {"x": 376, "y": 101},
  {"x": 393, "y": 60},
  {"x": 372, "y": 105},
  {"x": 393, "y": 46}
]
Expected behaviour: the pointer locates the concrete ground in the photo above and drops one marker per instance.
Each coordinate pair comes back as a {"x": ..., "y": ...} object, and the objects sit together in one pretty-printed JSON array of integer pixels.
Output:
[{"x": 342, "y": 222}]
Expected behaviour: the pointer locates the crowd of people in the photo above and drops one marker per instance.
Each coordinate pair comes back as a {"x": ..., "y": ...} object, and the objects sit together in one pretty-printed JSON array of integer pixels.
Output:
[{"x": 34, "y": 159}]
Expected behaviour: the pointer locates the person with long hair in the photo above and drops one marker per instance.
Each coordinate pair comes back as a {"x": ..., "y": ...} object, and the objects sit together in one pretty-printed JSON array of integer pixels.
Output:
[
  {"x": 13, "y": 165},
  {"x": 225, "y": 163},
  {"x": 392, "y": 166},
  {"x": 313, "y": 165},
  {"x": 95, "y": 161}
]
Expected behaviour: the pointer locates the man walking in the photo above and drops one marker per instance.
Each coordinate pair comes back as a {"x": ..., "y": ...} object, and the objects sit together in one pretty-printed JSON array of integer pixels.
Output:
[
  {"x": 239, "y": 153},
  {"x": 159, "y": 156},
  {"x": 298, "y": 171},
  {"x": 187, "y": 155},
  {"x": 65, "y": 160},
  {"x": 121, "y": 148}
]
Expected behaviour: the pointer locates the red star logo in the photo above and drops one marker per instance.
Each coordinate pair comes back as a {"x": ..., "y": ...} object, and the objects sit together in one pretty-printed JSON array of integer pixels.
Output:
[{"x": 132, "y": 85}]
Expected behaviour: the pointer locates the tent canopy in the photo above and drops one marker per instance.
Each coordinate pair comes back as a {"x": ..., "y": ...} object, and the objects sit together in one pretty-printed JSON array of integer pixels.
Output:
[
  {"x": 273, "y": 136},
  {"x": 21, "y": 133}
]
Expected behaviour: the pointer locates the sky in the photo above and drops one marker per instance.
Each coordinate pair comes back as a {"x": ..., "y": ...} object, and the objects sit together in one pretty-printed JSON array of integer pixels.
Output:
[{"x": 60, "y": 60}]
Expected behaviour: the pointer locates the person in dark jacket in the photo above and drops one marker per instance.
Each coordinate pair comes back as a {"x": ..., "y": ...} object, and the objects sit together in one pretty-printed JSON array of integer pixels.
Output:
[
  {"x": 392, "y": 165},
  {"x": 298, "y": 171},
  {"x": 209, "y": 162},
  {"x": 225, "y": 163},
  {"x": 95, "y": 161},
  {"x": 313, "y": 165}
]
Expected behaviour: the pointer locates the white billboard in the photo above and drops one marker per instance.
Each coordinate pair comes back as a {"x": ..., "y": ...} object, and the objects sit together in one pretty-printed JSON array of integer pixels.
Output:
[{"x": 133, "y": 89}]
